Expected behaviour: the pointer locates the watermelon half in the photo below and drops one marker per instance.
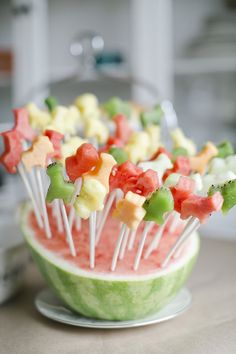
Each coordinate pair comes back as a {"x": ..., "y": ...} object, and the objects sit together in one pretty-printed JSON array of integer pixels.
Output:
[{"x": 104, "y": 294}]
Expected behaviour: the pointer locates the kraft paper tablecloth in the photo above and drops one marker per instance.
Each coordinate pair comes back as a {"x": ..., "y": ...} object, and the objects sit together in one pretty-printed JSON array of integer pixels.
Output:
[{"x": 209, "y": 326}]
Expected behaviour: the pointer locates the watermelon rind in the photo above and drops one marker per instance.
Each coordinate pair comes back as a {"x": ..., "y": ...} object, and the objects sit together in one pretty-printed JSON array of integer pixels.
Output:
[{"x": 109, "y": 295}]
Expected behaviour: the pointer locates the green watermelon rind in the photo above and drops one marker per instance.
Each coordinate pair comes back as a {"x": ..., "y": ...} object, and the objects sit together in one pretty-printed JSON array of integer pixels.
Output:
[{"x": 108, "y": 296}]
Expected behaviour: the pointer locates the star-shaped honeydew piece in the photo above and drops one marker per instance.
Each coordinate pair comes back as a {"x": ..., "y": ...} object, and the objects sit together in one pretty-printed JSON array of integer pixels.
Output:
[
  {"x": 160, "y": 165},
  {"x": 231, "y": 163},
  {"x": 217, "y": 165},
  {"x": 172, "y": 180},
  {"x": 215, "y": 179}
]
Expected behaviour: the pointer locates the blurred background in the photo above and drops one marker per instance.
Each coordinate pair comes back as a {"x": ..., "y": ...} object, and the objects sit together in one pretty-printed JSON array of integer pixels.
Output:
[{"x": 183, "y": 50}]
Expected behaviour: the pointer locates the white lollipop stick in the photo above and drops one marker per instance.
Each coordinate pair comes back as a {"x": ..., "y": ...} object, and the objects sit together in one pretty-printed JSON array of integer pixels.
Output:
[
  {"x": 179, "y": 250},
  {"x": 124, "y": 244},
  {"x": 43, "y": 204},
  {"x": 192, "y": 224},
  {"x": 108, "y": 204},
  {"x": 117, "y": 248},
  {"x": 71, "y": 217},
  {"x": 156, "y": 240},
  {"x": 67, "y": 228},
  {"x": 35, "y": 188},
  {"x": 57, "y": 215},
  {"x": 132, "y": 239},
  {"x": 101, "y": 213},
  {"x": 99, "y": 216},
  {"x": 105, "y": 215},
  {"x": 78, "y": 185},
  {"x": 174, "y": 222},
  {"x": 119, "y": 194},
  {"x": 92, "y": 234},
  {"x": 147, "y": 228},
  {"x": 31, "y": 195},
  {"x": 45, "y": 181},
  {"x": 190, "y": 231}
]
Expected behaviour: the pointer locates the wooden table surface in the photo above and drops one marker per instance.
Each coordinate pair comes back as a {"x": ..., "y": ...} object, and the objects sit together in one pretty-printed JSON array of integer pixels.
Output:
[{"x": 209, "y": 326}]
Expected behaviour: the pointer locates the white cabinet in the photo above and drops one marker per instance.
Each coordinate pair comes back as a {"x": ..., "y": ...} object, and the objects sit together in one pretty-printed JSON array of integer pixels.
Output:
[{"x": 30, "y": 50}]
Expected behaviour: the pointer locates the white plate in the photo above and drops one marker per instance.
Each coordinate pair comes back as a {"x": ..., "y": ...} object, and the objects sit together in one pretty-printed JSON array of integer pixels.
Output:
[{"x": 51, "y": 307}]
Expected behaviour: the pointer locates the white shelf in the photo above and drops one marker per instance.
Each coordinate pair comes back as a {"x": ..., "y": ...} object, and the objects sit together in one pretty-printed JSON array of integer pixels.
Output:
[{"x": 193, "y": 66}]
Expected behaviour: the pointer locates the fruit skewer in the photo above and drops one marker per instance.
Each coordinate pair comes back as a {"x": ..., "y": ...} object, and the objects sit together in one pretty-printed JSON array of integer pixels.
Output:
[
  {"x": 61, "y": 190},
  {"x": 36, "y": 158},
  {"x": 14, "y": 140},
  {"x": 130, "y": 212}
]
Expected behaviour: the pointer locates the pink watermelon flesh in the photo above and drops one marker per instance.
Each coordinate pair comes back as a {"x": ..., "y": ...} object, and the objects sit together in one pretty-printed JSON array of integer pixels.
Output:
[
  {"x": 105, "y": 249},
  {"x": 201, "y": 207},
  {"x": 182, "y": 191}
]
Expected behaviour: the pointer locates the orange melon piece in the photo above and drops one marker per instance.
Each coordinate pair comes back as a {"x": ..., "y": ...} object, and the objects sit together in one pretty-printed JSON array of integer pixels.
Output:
[{"x": 199, "y": 162}]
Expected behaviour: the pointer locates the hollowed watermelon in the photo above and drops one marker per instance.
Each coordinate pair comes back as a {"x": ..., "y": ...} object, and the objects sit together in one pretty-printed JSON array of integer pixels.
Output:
[{"x": 100, "y": 293}]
